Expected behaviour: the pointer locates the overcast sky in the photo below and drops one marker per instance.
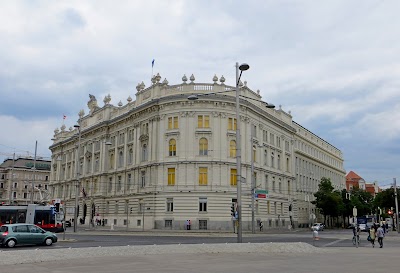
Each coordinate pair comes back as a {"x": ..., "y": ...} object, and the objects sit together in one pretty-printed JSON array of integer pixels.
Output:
[{"x": 333, "y": 64}]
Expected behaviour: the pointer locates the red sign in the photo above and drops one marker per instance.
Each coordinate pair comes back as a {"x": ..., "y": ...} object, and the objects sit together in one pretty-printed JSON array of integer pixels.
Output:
[{"x": 261, "y": 195}]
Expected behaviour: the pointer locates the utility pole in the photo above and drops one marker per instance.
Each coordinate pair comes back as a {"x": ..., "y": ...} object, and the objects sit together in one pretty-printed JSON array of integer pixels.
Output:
[
  {"x": 253, "y": 228},
  {"x": 34, "y": 174},
  {"x": 397, "y": 206},
  {"x": 11, "y": 180}
]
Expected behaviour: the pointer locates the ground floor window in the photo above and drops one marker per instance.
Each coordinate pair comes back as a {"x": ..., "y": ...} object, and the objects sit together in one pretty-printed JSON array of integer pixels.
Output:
[
  {"x": 139, "y": 223},
  {"x": 168, "y": 223},
  {"x": 203, "y": 224}
]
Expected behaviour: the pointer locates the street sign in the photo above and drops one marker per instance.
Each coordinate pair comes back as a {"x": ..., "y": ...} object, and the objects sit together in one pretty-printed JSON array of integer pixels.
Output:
[
  {"x": 261, "y": 195},
  {"x": 262, "y": 191}
]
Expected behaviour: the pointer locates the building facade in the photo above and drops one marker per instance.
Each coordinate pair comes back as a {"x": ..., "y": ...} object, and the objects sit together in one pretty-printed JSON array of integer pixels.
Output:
[
  {"x": 21, "y": 183},
  {"x": 163, "y": 159}
]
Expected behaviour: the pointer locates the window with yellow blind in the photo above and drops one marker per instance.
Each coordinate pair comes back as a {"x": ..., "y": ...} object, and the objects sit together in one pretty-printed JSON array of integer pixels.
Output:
[
  {"x": 232, "y": 148},
  {"x": 203, "y": 121},
  {"x": 172, "y": 147},
  {"x": 231, "y": 124},
  {"x": 233, "y": 177},
  {"x": 203, "y": 176},
  {"x": 171, "y": 176},
  {"x": 203, "y": 146},
  {"x": 173, "y": 123}
]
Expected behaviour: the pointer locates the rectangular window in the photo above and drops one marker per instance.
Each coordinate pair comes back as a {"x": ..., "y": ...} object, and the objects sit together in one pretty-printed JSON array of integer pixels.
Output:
[
  {"x": 119, "y": 183},
  {"x": 203, "y": 121},
  {"x": 173, "y": 123},
  {"x": 203, "y": 176},
  {"x": 268, "y": 207},
  {"x": 168, "y": 223},
  {"x": 129, "y": 181},
  {"x": 231, "y": 124},
  {"x": 203, "y": 224},
  {"x": 266, "y": 182},
  {"x": 203, "y": 204},
  {"x": 110, "y": 184},
  {"x": 233, "y": 177},
  {"x": 272, "y": 138},
  {"x": 143, "y": 179},
  {"x": 171, "y": 176},
  {"x": 170, "y": 204}
]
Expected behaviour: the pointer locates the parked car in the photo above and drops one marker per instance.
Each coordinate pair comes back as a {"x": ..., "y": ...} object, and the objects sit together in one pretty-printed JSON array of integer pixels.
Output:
[
  {"x": 25, "y": 234},
  {"x": 317, "y": 227}
]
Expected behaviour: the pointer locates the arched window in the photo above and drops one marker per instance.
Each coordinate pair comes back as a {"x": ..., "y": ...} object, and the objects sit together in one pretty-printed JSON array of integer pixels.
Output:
[
  {"x": 203, "y": 146},
  {"x": 232, "y": 148},
  {"x": 130, "y": 156},
  {"x": 172, "y": 147},
  {"x": 144, "y": 152},
  {"x": 279, "y": 162},
  {"x": 120, "y": 158},
  {"x": 272, "y": 160},
  {"x": 112, "y": 161}
]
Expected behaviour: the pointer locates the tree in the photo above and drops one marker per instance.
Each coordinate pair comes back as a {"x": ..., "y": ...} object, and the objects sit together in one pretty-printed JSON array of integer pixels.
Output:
[
  {"x": 362, "y": 200},
  {"x": 328, "y": 201}
]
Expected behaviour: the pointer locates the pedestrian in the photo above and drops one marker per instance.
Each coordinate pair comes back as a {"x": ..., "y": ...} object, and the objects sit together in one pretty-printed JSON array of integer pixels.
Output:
[
  {"x": 261, "y": 226},
  {"x": 189, "y": 224},
  {"x": 372, "y": 235},
  {"x": 387, "y": 227},
  {"x": 380, "y": 233},
  {"x": 384, "y": 227},
  {"x": 103, "y": 222}
]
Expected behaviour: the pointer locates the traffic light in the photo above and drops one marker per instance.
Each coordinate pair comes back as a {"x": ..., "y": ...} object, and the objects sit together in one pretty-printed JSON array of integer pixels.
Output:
[{"x": 233, "y": 209}]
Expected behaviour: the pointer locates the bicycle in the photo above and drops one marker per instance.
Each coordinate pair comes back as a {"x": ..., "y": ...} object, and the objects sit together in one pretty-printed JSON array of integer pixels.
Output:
[{"x": 356, "y": 240}]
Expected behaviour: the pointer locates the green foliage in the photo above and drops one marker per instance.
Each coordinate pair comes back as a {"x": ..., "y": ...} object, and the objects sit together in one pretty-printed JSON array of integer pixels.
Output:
[
  {"x": 362, "y": 200},
  {"x": 385, "y": 199},
  {"x": 328, "y": 201}
]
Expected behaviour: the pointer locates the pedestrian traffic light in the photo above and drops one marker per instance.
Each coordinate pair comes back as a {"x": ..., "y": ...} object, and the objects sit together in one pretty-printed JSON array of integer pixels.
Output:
[{"x": 233, "y": 209}]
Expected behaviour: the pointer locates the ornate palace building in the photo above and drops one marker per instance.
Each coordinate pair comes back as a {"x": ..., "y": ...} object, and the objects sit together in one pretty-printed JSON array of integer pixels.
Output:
[{"x": 163, "y": 159}]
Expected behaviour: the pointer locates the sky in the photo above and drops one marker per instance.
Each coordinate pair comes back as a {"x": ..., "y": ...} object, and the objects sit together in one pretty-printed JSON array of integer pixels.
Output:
[{"x": 334, "y": 64}]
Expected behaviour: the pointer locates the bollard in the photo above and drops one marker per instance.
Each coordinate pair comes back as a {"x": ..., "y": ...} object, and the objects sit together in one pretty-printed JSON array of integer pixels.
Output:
[{"x": 315, "y": 237}]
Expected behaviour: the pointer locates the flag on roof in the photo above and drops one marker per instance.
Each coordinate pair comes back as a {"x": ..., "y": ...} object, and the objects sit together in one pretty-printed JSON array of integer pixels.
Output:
[{"x": 152, "y": 63}]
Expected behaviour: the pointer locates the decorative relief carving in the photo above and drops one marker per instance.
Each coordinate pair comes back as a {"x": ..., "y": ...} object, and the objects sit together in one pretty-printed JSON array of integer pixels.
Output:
[
  {"x": 215, "y": 114},
  {"x": 88, "y": 154},
  {"x": 162, "y": 116}
]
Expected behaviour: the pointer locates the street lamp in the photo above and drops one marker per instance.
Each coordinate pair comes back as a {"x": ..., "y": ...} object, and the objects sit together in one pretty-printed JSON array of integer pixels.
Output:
[
  {"x": 241, "y": 68},
  {"x": 77, "y": 177}
]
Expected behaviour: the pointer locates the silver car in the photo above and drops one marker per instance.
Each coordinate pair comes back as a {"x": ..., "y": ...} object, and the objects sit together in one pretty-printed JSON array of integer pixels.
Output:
[{"x": 318, "y": 227}]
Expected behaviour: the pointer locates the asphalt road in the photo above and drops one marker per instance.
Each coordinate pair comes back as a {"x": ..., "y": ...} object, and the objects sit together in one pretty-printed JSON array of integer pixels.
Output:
[{"x": 327, "y": 239}]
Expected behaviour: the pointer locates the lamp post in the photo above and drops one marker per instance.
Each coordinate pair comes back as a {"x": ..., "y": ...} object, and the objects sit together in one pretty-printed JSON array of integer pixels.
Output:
[
  {"x": 397, "y": 206},
  {"x": 77, "y": 177}
]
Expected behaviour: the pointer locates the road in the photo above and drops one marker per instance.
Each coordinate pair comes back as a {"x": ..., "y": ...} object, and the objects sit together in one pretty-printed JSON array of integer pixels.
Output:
[{"x": 106, "y": 238}]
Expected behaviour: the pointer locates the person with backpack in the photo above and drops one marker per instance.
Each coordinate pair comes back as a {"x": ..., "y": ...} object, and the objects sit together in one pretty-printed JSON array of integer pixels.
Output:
[{"x": 380, "y": 233}]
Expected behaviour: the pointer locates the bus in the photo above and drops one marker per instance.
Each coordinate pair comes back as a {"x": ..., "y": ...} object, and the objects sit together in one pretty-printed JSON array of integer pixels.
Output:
[
  {"x": 45, "y": 217},
  {"x": 365, "y": 222}
]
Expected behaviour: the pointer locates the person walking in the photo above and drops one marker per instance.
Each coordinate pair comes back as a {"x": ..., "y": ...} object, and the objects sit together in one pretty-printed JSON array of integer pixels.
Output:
[
  {"x": 372, "y": 235},
  {"x": 380, "y": 233}
]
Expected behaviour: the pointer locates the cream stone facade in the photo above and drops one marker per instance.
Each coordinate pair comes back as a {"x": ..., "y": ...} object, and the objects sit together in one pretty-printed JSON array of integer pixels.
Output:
[
  {"x": 172, "y": 159},
  {"x": 19, "y": 180}
]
